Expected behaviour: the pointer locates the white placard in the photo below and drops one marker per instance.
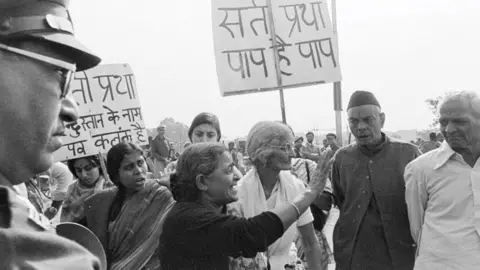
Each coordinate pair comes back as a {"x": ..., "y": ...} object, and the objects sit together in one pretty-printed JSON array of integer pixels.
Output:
[
  {"x": 307, "y": 46},
  {"x": 109, "y": 112}
]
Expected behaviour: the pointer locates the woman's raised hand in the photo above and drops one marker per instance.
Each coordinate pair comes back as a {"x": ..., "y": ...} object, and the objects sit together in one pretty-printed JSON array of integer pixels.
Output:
[{"x": 322, "y": 171}]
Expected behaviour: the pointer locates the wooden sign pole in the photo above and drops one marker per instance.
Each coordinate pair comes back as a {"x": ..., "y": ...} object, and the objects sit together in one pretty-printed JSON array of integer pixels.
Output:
[
  {"x": 337, "y": 86},
  {"x": 103, "y": 166},
  {"x": 273, "y": 36}
]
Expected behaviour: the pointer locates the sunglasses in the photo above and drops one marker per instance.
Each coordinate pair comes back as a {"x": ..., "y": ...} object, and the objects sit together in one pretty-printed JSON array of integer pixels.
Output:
[{"x": 66, "y": 69}]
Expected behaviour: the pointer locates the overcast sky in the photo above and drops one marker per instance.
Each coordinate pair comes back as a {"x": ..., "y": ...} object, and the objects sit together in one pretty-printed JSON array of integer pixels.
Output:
[{"x": 403, "y": 51}]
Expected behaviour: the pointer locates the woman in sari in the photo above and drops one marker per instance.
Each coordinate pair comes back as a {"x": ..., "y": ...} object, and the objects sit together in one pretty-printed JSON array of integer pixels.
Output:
[
  {"x": 269, "y": 184},
  {"x": 198, "y": 234},
  {"x": 128, "y": 219},
  {"x": 90, "y": 180}
]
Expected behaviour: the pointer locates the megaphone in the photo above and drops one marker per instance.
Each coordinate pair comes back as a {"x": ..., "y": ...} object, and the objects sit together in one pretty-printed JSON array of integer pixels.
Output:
[{"x": 86, "y": 238}]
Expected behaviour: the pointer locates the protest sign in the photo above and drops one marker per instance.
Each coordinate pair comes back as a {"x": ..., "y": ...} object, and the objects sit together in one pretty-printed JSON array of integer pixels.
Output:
[
  {"x": 306, "y": 46},
  {"x": 109, "y": 112}
]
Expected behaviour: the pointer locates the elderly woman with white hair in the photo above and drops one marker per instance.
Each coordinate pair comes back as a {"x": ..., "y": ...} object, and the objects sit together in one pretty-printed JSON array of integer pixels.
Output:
[{"x": 270, "y": 183}]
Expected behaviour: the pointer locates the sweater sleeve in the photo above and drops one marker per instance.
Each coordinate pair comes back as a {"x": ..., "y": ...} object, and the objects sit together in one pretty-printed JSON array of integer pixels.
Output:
[{"x": 208, "y": 233}]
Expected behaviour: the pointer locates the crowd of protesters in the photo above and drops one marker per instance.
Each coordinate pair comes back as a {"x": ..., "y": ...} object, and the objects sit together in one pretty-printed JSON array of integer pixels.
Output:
[{"x": 401, "y": 205}]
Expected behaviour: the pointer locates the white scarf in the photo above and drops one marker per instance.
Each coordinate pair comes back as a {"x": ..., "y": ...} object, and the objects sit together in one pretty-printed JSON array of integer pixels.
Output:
[{"x": 252, "y": 202}]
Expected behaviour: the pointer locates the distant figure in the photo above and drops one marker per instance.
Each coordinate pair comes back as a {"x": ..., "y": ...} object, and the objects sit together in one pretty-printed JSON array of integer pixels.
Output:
[
  {"x": 419, "y": 141},
  {"x": 332, "y": 142},
  {"x": 325, "y": 145},
  {"x": 160, "y": 148},
  {"x": 298, "y": 147},
  {"x": 311, "y": 150},
  {"x": 430, "y": 145},
  {"x": 173, "y": 155}
]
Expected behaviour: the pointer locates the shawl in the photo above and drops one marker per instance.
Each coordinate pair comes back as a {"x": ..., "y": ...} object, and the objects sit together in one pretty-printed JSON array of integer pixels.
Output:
[
  {"x": 134, "y": 235},
  {"x": 252, "y": 202},
  {"x": 72, "y": 209}
]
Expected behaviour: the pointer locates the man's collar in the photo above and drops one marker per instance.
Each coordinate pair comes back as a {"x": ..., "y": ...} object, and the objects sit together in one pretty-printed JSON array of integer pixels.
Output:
[{"x": 445, "y": 152}]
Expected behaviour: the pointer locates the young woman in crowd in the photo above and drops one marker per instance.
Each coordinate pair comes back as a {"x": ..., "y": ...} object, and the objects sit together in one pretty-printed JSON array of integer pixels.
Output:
[
  {"x": 128, "y": 219},
  {"x": 205, "y": 127},
  {"x": 198, "y": 234},
  {"x": 90, "y": 180},
  {"x": 270, "y": 184}
]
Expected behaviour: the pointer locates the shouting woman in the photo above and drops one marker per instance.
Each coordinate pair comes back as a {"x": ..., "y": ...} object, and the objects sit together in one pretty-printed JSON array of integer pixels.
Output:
[
  {"x": 198, "y": 234},
  {"x": 128, "y": 219}
]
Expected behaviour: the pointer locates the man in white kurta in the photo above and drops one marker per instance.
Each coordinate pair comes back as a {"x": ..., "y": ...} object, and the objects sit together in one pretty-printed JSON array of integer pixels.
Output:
[{"x": 443, "y": 191}]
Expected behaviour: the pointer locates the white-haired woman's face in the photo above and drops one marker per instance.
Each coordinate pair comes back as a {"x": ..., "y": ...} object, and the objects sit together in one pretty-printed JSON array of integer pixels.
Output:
[{"x": 278, "y": 154}]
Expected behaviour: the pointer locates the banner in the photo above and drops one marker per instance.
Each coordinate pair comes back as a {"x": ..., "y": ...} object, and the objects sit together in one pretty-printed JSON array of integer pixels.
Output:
[
  {"x": 307, "y": 47},
  {"x": 109, "y": 112}
]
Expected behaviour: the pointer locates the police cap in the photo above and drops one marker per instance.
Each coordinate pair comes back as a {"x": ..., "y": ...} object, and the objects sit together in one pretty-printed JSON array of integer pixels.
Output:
[{"x": 47, "y": 20}]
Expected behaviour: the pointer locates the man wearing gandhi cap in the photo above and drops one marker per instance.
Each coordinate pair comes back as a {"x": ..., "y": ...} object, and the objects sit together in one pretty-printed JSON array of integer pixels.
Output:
[
  {"x": 372, "y": 231},
  {"x": 38, "y": 56}
]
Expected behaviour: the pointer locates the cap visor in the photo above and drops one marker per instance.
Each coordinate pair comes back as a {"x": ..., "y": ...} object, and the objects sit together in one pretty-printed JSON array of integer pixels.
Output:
[{"x": 83, "y": 57}]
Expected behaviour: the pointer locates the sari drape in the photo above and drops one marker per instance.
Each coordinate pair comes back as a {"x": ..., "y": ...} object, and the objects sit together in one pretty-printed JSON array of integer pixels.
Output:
[{"x": 134, "y": 235}]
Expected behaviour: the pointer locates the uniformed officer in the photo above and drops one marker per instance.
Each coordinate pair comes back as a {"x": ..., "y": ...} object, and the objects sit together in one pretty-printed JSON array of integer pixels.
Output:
[{"x": 38, "y": 56}]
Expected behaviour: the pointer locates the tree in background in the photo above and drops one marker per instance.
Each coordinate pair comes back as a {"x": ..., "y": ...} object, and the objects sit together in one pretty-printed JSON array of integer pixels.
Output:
[{"x": 433, "y": 106}]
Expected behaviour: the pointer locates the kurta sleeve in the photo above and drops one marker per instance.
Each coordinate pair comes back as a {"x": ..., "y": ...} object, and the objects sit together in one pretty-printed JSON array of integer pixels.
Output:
[
  {"x": 416, "y": 197},
  {"x": 210, "y": 233},
  {"x": 335, "y": 180}
]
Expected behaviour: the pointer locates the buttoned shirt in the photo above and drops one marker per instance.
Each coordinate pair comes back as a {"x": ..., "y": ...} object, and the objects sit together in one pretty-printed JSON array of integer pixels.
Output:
[{"x": 443, "y": 199}]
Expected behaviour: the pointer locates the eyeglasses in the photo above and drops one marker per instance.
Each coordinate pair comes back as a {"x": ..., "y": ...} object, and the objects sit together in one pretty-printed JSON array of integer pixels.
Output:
[
  {"x": 286, "y": 148},
  {"x": 67, "y": 69}
]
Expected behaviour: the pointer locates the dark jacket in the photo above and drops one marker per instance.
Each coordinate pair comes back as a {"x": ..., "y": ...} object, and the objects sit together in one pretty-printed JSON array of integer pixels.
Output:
[
  {"x": 359, "y": 182},
  {"x": 197, "y": 238}
]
